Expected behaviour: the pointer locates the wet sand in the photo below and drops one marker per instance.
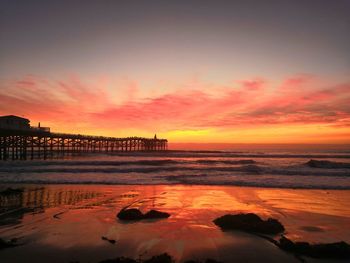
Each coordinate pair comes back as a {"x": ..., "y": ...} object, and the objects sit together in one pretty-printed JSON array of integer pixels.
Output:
[{"x": 66, "y": 223}]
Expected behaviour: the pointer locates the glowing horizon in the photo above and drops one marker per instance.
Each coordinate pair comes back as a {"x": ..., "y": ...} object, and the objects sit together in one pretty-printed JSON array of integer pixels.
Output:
[
  {"x": 192, "y": 72},
  {"x": 302, "y": 109}
]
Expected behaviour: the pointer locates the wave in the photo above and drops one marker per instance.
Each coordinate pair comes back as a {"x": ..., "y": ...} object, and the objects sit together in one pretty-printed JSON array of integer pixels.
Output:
[
  {"x": 184, "y": 181},
  {"x": 232, "y": 162},
  {"x": 212, "y": 170},
  {"x": 223, "y": 154},
  {"x": 327, "y": 164}
]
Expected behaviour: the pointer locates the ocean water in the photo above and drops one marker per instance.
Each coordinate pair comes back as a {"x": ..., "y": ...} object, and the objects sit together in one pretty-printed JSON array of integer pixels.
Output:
[{"x": 277, "y": 169}]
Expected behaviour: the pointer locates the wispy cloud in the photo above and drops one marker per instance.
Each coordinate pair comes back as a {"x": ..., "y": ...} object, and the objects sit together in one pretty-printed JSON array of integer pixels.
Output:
[{"x": 249, "y": 103}]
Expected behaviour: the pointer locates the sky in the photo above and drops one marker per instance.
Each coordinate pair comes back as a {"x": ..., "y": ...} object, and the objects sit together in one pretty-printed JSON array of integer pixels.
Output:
[{"x": 273, "y": 71}]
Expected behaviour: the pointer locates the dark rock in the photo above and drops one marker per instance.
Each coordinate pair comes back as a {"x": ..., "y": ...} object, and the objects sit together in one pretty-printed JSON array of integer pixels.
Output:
[
  {"x": 286, "y": 244},
  {"x": 272, "y": 226},
  {"x": 135, "y": 214},
  {"x": 338, "y": 250},
  {"x": 112, "y": 241},
  {"x": 119, "y": 260},
  {"x": 303, "y": 247},
  {"x": 333, "y": 250},
  {"x": 154, "y": 214},
  {"x": 130, "y": 214},
  {"x": 7, "y": 244},
  {"x": 250, "y": 223},
  {"x": 162, "y": 258}
]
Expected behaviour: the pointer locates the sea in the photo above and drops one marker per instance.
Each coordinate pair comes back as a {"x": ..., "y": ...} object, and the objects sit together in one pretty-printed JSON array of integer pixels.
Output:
[{"x": 277, "y": 168}]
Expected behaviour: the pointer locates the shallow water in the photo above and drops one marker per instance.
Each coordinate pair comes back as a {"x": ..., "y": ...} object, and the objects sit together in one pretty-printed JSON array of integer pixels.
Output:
[{"x": 276, "y": 169}]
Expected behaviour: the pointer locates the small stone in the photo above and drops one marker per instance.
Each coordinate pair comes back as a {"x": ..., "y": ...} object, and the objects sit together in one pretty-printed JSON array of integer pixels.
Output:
[
  {"x": 154, "y": 214},
  {"x": 112, "y": 241},
  {"x": 130, "y": 214}
]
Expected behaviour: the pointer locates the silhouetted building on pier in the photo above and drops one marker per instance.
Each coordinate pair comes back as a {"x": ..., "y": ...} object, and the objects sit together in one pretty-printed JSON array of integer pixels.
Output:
[{"x": 12, "y": 122}]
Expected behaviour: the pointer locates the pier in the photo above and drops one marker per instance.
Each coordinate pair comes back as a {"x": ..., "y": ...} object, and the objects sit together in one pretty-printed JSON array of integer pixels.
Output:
[
  {"x": 39, "y": 142},
  {"x": 20, "y": 145}
]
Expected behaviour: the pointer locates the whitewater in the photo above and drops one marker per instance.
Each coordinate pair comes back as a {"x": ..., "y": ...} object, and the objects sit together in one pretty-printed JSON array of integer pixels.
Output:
[{"x": 277, "y": 169}]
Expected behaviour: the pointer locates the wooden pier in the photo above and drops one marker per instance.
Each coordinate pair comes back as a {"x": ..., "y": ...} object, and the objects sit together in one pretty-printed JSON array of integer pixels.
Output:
[{"x": 32, "y": 144}]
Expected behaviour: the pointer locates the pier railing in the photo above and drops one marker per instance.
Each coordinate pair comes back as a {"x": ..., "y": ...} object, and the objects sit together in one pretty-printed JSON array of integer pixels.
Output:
[{"x": 30, "y": 144}]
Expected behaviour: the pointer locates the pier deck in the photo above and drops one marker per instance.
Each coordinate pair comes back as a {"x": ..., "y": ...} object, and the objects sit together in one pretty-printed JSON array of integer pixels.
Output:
[{"x": 31, "y": 144}]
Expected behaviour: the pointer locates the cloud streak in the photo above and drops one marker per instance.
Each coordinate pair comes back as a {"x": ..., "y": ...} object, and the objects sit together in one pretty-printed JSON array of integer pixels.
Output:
[{"x": 248, "y": 103}]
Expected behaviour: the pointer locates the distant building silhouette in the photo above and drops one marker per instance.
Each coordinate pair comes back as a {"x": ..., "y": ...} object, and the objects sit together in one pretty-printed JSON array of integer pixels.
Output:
[{"x": 12, "y": 122}]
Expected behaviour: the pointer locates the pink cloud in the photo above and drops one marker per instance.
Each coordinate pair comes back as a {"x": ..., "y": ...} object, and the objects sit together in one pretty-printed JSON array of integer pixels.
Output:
[
  {"x": 254, "y": 84},
  {"x": 298, "y": 100}
]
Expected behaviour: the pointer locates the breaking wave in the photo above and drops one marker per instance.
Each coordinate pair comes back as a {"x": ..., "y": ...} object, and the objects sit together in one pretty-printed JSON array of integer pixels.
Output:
[
  {"x": 282, "y": 170},
  {"x": 232, "y": 162},
  {"x": 211, "y": 154},
  {"x": 327, "y": 164},
  {"x": 244, "y": 169}
]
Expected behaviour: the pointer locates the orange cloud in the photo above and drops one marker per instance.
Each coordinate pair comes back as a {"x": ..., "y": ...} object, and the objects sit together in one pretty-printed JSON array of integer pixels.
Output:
[{"x": 72, "y": 105}]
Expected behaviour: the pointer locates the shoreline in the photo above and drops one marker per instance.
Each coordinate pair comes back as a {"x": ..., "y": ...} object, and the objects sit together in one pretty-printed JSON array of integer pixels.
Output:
[
  {"x": 4, "y": 185},
  {"x": 68, "y": 221}
]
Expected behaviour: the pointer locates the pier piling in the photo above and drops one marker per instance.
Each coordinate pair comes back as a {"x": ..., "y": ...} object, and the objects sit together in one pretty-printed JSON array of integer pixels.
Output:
[{"x": 23, "y": 144}]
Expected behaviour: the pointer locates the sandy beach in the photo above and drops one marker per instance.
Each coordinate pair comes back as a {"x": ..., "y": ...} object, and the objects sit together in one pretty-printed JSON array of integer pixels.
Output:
[{"x": 66, "y": 223}]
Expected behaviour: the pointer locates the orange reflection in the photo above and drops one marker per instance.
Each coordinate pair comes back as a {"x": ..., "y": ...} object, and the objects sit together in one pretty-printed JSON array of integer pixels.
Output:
[{"x": 53, "y": 219}]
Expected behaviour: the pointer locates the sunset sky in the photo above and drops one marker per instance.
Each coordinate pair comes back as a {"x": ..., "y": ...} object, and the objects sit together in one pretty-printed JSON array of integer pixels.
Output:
[{"x": 272, "y": 71}]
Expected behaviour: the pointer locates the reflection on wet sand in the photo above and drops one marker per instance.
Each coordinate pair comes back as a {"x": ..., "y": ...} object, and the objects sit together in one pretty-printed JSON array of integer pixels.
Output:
[
  {"x": 70, "y": 221},
  {"x": 15, "y": 202}
]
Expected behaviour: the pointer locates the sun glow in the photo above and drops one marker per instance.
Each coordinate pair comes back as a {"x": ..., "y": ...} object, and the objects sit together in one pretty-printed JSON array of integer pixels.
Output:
[{"x": 297, "y": 110}]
